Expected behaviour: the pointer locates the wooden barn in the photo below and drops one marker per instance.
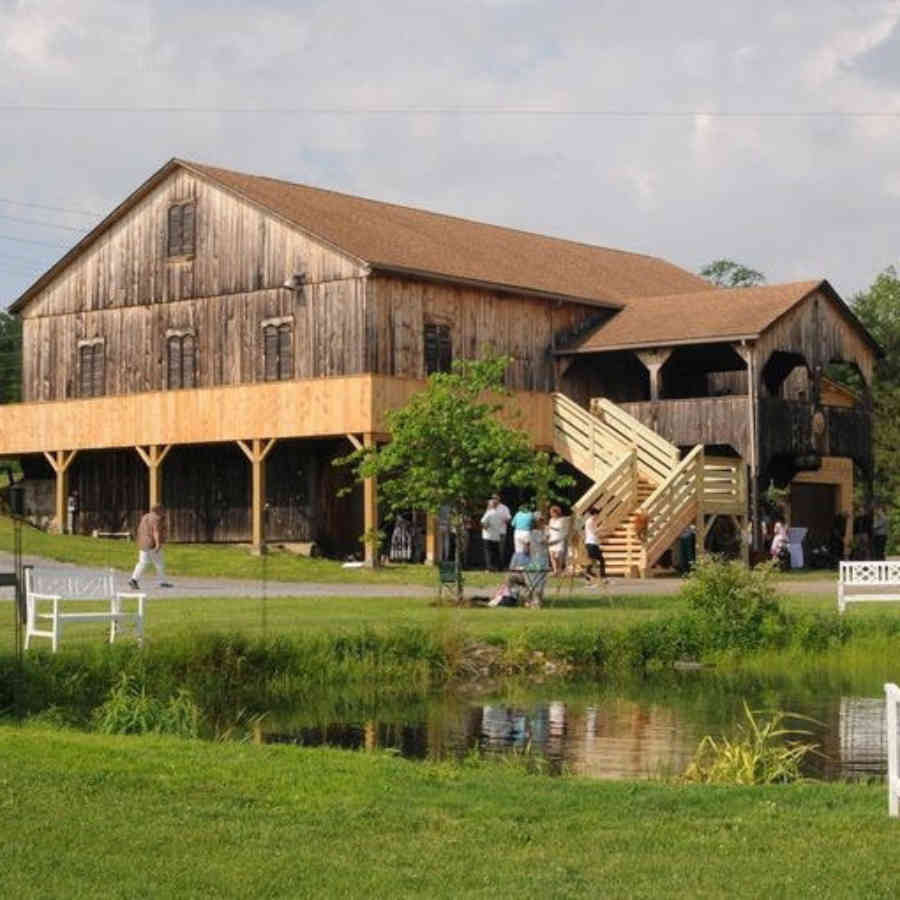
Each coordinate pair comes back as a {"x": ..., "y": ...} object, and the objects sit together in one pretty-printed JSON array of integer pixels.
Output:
[{"x": 219, "y": 338}]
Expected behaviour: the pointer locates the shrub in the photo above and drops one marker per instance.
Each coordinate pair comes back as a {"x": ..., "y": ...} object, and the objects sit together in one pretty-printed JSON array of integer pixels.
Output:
[
  {"x": 129, "y": 709},
  {"x": 737, "y": 607},
  {"x": 763, "y": 752}
]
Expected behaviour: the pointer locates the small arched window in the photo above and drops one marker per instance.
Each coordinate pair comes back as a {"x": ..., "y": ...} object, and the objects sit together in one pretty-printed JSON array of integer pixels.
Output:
[{"x": 181, "y": 360}]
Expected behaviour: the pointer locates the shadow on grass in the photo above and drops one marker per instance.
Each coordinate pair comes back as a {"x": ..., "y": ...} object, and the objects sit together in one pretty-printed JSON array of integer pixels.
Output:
[{"x": 601, "y": 600}]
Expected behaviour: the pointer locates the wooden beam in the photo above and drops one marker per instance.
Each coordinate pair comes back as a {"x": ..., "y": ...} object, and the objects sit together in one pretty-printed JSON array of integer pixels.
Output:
[
  {"x": 153, "y": 458},
  {"x": 60, "y": 460},
  {"x": 431, "y": 548},
  {"x": 747, "y": 352},
  {"x": 257, "y": 451},
  {"x": 654, "y": 360},
  {"x": 370, "y": 509}
]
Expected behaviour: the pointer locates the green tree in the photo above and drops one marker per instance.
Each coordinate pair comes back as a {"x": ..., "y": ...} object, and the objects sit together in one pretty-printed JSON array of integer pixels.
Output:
[
  {"x": 10, "y": 358},
  {"x": 878, "y": 309},
  {"x": 729, "y": 274},
  {"x": 450, "y": 448}
]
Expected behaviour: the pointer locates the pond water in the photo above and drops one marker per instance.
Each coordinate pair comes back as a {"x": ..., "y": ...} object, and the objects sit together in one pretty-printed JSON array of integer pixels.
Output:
[{"x": 633, "y": 729}]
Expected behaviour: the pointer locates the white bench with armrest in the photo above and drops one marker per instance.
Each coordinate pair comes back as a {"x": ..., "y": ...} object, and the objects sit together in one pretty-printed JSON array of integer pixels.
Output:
[
  {"x": 864, "y": 581},
  {"x": 52, "y": 599}
]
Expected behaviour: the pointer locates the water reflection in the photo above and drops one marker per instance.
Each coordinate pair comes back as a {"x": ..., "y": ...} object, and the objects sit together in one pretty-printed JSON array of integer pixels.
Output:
[{"x": 637, "y": 731}]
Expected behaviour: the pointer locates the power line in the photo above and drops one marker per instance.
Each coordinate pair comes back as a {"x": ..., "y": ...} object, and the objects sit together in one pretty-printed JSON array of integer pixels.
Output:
[
  {"x": 464, "y": 110},
  {"x": 9, "y": 237},
  {"x": 38, "y": 222},
  {"x": 26, "y": 259},
  {"x": 77, "y": 212}
]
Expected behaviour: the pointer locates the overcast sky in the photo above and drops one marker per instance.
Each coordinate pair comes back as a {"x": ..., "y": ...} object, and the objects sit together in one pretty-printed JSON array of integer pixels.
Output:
[{"x": 766, "y": 132}]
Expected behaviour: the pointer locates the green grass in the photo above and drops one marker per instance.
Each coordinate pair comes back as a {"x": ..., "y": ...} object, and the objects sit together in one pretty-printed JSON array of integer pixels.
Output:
[
  {"x": 93, "y": 816},
  {"x": 236, "y": 561},
  {"x": 170, "y": 616},
  {"x": 220, "y": 560}
]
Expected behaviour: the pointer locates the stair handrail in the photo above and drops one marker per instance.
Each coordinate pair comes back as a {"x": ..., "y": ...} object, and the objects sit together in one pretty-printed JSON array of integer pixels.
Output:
[
  {"x": 674, "y": 503},
  {"x": 657, "y": 457},
  {"x": 592, "y": 436},
  {"x": 614, "y": 495}
]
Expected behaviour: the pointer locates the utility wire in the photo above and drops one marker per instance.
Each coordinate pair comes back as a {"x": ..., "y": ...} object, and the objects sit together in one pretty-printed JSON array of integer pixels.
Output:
[
  {"x": 465, "y": 110},
  {"x": 26, "y": 259},
  {"x": 77, "y": 212},
  {"x": 46, "y": 224},
  {"x": 9, "y": 237}
]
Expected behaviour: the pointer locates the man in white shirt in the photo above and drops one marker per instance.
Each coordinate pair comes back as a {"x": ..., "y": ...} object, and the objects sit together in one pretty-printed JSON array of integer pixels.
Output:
[
  {"x": 506, "y": 515},
  {"x": 493, "y": 528}
]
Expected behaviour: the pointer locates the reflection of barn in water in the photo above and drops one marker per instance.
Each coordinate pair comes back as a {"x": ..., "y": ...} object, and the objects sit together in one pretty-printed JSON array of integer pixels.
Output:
[
  {"x": 863, "y": 747},
  {"x": 619, "y": 739}
]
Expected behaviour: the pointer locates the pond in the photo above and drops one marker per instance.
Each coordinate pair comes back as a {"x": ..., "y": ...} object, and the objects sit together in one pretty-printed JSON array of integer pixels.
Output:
[{"x": 639, "y": 728}]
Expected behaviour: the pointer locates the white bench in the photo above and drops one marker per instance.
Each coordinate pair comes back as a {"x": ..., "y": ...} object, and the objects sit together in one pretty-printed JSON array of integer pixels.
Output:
[
  {"x": 861, "y": 581},
  {"x": 892, "y": 700},
  {"x": 53, "y": 598}
]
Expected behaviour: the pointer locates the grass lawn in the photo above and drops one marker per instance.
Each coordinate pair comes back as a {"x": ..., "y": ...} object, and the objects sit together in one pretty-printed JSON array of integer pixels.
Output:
[
  {"x": 170, "y": 616},
  {"x": 235, "y": 561},
  {"x": 93, "y": 816},
  {"x": 218, "y": 560}
]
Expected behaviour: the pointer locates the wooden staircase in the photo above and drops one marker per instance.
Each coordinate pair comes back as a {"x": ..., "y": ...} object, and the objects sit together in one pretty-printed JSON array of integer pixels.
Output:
[
  {"x": 639, "y": 479},
  {"x": 621, "y": 546}
]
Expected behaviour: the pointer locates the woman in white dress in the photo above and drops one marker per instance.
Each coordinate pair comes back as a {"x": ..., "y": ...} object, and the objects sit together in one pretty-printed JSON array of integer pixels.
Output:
[{"x": 558, "y": 539}]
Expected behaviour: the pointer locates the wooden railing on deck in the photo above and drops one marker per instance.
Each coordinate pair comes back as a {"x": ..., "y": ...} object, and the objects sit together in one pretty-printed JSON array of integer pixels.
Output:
[
  {"x": 724, "y": 485},
  {"x": 656, "y": 456},
  {"x": 671, "y": 507}
]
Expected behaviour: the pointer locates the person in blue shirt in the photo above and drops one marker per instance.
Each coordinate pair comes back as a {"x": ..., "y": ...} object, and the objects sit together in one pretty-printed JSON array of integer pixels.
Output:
[{"x": 522, "y": 523}]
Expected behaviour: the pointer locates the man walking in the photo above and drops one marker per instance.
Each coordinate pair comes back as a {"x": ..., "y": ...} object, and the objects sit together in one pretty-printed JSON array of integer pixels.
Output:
[{"x": 151, "y": 535}]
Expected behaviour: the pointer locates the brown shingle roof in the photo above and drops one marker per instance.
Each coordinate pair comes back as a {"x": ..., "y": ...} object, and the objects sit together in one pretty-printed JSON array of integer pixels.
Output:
[
  {"x": 697, "y": 316},
  {"x": 400, "y": 237}
]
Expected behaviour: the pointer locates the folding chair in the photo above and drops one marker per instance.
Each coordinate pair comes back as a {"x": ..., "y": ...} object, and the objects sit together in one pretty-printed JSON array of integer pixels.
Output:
[
  {"x": 447, "y": 579},
  {"x": 531, "y": 582}
]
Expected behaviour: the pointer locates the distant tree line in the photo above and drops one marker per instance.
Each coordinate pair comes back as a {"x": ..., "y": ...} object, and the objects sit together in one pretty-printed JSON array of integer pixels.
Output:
[{"x": 10, "y": 358}]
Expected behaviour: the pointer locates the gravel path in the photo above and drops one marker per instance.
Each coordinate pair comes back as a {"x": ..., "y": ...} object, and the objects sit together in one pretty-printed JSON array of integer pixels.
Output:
[{"x": 192, "y": 586}]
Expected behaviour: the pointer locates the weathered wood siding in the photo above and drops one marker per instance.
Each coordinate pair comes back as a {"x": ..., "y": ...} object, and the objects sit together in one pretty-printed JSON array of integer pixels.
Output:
[
  {"x": 522, "y": 327},
  {"x": 206, "y": 490},
  {"x": 786, "y": 428},
  {"x": 712, "y": 421},
  {"x": 619, "y": 376},
  {"x": 127, "y": 292},
  {"x": 821, "y": 332}
]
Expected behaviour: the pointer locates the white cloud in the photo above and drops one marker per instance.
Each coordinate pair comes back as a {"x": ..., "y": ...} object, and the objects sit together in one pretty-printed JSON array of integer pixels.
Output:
[{"x": 780, "y": 194}]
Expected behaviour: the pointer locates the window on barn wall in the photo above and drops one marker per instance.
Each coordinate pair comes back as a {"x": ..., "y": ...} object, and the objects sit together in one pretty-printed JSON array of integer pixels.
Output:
[
  {"x": 91, "y": 374},
  {"x": 438, "y": 348},
  {"x": 181, "y": 360},
  {"x": 278, "y": 350},
  {"x": 181, "y": 229}
]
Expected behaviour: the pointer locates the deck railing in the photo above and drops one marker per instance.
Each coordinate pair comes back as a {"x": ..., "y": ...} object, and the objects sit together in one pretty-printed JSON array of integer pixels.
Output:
[
  {"x": 587, "y": 442},
  {"x": 614, "y": 496},
  {"x": 671, "y": 507},
  {"x": 656, "y": 457},
  {"x": 724, "y": 485}
]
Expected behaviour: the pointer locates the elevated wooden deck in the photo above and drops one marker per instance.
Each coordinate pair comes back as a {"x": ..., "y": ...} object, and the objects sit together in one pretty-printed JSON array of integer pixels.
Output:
[{"x": 310, "y": 407}]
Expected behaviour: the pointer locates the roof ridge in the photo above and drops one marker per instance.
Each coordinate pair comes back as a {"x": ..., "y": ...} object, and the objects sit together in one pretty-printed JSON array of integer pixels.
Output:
[{"x": 419, "y": 209}]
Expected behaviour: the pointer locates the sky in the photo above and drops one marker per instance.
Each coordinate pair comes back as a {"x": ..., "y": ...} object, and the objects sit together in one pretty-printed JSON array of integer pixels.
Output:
[{"x": 764, "y": 132}]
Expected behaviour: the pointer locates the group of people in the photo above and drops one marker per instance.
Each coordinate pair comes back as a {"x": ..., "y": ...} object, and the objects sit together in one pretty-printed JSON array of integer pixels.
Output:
[{"x": 538, "y": 540}]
